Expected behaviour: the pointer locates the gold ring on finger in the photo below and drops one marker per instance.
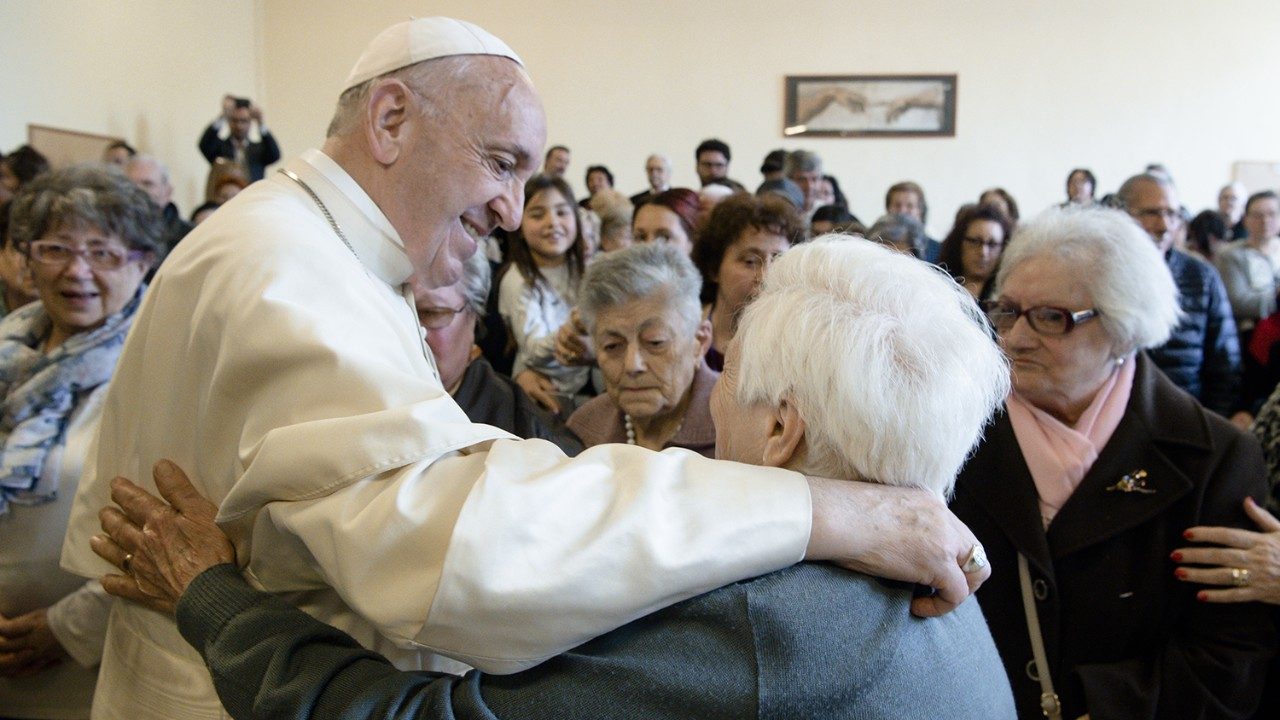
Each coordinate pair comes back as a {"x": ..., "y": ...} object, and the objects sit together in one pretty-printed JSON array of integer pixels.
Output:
[{"x": 1240, "y": 577}]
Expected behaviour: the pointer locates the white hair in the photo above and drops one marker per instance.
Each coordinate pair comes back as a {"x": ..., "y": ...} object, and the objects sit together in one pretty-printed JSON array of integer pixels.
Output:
[
  {"x": 641, "y": 271},
  {"x": 715, "y": 191},
  {"x": 1115, "y": 261},
  {"x": 886, "y": 358},
  {"x": 476, "y": 281},
  {"x": 142, "y": 160},
  {"x": 660, "y": 158}
]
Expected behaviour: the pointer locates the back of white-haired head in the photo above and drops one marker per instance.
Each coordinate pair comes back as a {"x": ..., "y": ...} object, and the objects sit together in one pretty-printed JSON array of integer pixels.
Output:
[
  {"x": 886, "y": 358},
  {"x": 1116, "y": 263}
]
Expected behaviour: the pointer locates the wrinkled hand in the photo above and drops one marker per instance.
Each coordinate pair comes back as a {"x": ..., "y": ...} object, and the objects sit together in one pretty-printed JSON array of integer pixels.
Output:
[
  {"x": 540, "y": 388},
  {"x": 171, "y": 542},
  {"x": 27, "y": 645},
  {"x": 573, "y": 344},
  {"x": 898, "y": 533},
  {"x": 1257, "y": 552}
]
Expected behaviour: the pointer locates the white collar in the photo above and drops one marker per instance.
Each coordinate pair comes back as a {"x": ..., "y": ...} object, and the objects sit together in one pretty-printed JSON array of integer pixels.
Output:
[{"x": 374, "y": 241}]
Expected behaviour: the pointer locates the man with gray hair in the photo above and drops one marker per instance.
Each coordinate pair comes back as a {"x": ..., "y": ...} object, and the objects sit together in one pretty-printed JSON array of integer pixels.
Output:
[
  {"x": 452, "y": 316},
  {"x": 900, "y": 232},
  {"x": 148, "y": 173},
  {"x": 299, "y": 393},
  {"x": 1203, "y": 354},
  {"x": 657, "y": 170},
  {"x": 804, "y": 168},
  {"x": 1231, "y": 207}
]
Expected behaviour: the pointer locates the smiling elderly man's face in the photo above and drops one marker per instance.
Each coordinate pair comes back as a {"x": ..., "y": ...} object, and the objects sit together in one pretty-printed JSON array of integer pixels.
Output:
[
  {"x": 465, "y": 168},
  {"x": 741, "y": 430}
]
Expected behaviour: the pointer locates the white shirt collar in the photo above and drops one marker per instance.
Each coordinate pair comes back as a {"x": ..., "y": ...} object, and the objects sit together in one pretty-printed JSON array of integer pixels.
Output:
[{"x": 374, "y": 241}]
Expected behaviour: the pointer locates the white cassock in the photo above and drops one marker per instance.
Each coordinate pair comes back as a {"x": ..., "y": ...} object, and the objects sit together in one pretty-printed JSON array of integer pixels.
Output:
[{"x": 287, "y": 373}]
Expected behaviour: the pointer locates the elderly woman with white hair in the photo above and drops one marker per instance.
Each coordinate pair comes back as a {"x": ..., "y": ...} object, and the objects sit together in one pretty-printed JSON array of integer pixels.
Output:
[
  {"x": 641, "y": 308},
  {"x": 854, "y": 361},
  {"x": 1081, "y": 489}
]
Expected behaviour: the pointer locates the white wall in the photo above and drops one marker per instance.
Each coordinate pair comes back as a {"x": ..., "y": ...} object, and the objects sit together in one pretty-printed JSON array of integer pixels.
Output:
[
  {"x": 1043, "y": 86},
  {"x": 151, "y": 71}
]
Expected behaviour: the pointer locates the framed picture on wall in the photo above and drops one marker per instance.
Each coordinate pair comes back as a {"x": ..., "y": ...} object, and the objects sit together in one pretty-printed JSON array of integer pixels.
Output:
[{"x": 870, "y": 106}]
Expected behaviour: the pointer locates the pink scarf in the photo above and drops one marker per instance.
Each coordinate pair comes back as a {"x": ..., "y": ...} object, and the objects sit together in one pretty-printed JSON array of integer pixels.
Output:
[{"x": 1059, "y": 456}]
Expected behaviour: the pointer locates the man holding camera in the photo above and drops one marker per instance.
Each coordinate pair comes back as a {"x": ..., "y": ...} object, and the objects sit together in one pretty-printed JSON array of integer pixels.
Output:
[{"x": 238, "y": 116}]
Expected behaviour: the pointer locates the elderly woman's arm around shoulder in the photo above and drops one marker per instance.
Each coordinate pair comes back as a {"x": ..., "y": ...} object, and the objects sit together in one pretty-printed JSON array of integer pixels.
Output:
[
  {"x": 1244, "y": 567},
  {"x": 267, "y": 658}
]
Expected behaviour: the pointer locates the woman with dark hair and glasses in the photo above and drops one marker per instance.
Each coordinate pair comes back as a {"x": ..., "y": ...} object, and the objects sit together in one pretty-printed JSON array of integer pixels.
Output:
[
  {"x": 1080, "y": 490},
  {"x": 90, "y": 236},
  {"x": 972, "y": 250}
]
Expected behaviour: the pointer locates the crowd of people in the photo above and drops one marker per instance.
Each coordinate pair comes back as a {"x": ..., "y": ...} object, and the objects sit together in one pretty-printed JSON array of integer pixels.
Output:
[{"x": 518, "y": 506}]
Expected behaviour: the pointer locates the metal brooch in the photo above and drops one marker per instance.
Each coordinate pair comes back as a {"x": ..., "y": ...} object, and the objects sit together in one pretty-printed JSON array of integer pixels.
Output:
[{"x": 1134, "y": 482}]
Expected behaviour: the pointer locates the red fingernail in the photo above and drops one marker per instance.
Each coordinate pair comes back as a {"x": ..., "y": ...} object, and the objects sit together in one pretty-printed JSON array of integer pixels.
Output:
[
  {"x": 1180, "y": 573},
  {"x": 1188, "y": 534},
  {"x": 1175, "y": 556},
  {"x": 1202, "y": 596}
]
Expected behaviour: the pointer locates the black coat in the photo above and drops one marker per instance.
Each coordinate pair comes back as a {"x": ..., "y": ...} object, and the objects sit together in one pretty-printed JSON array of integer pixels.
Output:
[
  {"x": 1125, "y": 639},
  {"x": 492, "y": 399},
  {"x": 257, "y": 155}
]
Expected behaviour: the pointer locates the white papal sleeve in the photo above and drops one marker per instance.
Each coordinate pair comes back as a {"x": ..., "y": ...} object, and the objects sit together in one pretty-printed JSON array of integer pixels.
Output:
[{"x": 286, "y": 373}]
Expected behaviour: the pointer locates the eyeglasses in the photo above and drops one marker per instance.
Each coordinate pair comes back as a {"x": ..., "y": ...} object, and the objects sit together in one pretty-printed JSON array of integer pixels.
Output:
[
  {"x": 438, "y": 318},
  {"x": 983, "y": 243},
  {"x": 1043, "y": 319},
  {"x": 99, "y": 257}
]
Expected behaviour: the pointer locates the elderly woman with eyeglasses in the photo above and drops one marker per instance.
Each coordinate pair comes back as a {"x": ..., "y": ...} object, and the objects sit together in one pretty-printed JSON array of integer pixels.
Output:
[
  {"x": 90, "y": 236},
  {"x": 640, "y": 306},
  {"x": 1081, "y": 489}
]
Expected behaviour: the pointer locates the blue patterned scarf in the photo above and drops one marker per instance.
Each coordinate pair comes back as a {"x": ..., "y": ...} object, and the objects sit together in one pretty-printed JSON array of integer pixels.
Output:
[{"x": 40, "y": 391}]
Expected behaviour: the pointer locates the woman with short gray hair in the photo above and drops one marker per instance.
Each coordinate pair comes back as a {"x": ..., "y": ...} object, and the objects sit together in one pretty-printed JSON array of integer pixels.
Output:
[
  {"x": 641, "y": 308},
  {"x": 90, "y": 236},
  {"x": 1082, "y": 487}
]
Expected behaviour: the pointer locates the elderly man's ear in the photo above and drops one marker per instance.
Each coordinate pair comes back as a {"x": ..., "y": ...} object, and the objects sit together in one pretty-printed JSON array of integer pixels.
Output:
[
  {"x": 785, "y": 444},
  {"x": 388, "y": 119}
]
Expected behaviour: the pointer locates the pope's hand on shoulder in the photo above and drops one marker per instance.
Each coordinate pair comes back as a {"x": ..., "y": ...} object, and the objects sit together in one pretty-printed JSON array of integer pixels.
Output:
[{"x": 897, "y": 533}]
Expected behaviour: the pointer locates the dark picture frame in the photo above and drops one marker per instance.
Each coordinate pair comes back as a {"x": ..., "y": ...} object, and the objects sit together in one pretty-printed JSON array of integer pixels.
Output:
[{"x": 870, "y": 106}]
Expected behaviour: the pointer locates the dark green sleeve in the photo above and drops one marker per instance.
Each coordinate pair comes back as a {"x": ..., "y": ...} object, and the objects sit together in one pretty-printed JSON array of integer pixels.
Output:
[{"x": 269, "y": 659}]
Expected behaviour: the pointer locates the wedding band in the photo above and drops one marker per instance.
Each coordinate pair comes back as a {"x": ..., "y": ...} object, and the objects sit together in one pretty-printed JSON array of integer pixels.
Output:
[
  {"x": 1240, "y": 577},
  {"x": 976, "y": 561},
  {"x": 126, "y": 562}
]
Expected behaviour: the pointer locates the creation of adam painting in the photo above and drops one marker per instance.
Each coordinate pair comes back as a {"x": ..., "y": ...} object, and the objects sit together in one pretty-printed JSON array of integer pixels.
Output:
[{"x": 870, "y": 105}]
